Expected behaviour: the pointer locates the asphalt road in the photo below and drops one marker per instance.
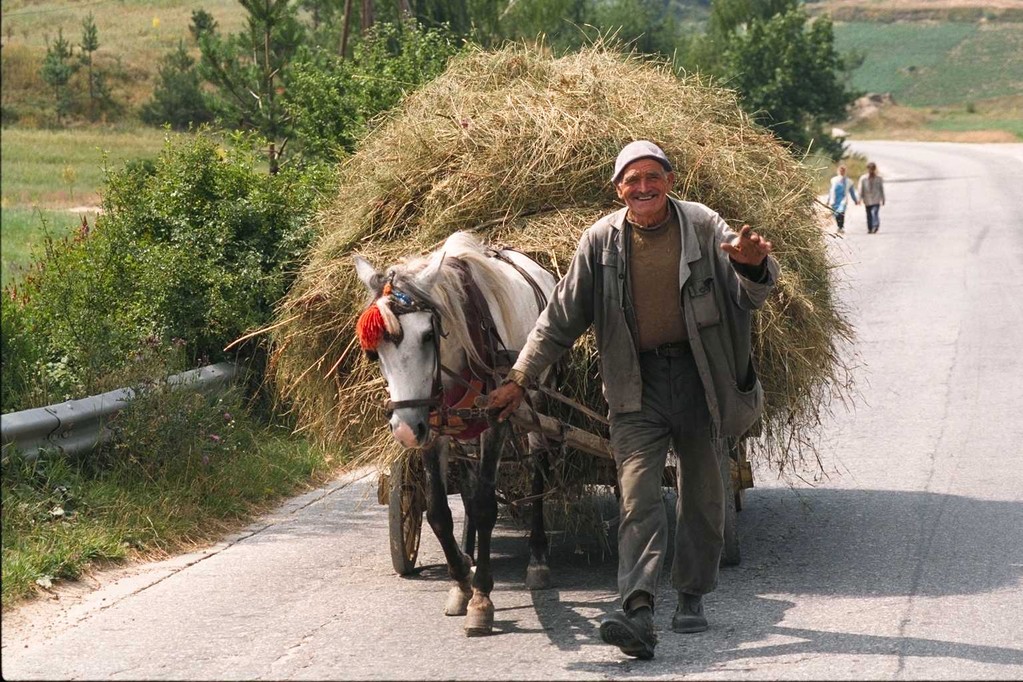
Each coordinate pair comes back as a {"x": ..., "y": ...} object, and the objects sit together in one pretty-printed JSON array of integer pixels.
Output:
[{"x": 905, "y": 562}]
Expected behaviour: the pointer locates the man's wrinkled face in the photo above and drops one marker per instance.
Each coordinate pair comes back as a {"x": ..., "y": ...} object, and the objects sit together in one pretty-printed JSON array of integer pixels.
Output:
[{"x": 644, "y": 187}]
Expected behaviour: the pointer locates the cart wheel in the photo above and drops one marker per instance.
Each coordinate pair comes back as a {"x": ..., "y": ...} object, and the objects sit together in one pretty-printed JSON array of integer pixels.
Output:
[
  {"x": 730, "y": 555},
  {"x": 405, "y": 513}
]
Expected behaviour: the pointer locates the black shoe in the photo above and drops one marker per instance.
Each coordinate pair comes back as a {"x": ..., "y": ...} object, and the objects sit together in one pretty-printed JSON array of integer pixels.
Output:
[
  {"x": 689, "y": 614},
  {"x": 633, "y": 634}
]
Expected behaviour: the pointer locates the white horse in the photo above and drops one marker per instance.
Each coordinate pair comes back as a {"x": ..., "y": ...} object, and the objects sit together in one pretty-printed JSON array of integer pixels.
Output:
[{"x": 442, "y": 326}]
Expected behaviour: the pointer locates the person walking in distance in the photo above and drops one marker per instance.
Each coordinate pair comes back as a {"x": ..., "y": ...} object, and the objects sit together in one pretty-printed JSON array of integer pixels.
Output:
[
  {"x": 872, "y": 195},
  {"x": 838, "y": 197},
  {"x": 669, "y": 289}
]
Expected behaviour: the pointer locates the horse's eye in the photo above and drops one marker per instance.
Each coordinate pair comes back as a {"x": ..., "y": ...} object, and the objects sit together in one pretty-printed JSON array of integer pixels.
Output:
[{"x": 428, "y": 336}]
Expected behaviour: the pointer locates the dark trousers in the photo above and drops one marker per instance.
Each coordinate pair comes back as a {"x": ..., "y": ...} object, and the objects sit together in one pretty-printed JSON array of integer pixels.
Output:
[
  {"x": 674, "y": 414},
  {"x": 840, "y": 220},
  {"x": 873, "y": 217}
]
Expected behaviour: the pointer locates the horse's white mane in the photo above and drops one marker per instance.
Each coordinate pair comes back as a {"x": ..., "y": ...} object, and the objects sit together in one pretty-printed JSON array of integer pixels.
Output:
[{"x": 446, "y": 292}]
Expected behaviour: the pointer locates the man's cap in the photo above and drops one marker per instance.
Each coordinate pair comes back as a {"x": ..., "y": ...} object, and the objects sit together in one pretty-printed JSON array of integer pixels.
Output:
[{"x": 634, "y": 151}]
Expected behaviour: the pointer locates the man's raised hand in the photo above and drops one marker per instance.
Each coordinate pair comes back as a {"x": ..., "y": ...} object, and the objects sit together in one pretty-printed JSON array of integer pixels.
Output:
[{"x": 748, "y": 248}]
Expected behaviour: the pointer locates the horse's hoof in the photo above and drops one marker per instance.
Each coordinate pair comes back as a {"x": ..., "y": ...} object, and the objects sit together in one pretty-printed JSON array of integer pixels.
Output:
[
  {"x": 479, "y": 619},
  {"x": 538, "y": 577},
  {"x": 458, "y": 600}
]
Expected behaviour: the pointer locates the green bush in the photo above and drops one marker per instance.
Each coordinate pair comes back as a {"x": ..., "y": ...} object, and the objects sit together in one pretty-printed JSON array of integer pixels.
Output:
[
  {"x": 331, "y": 100},
  {"x": 191, "y": 252},
  {"x": 18, "y": 353}
]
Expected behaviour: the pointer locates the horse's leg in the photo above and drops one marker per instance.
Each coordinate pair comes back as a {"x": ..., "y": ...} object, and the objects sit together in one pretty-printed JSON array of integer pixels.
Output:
[
  {"x": 469, "y": 529},
  {"x": 438, "y": 514},
  {"x": 480, "y": 618},
  {"x": 538, "y": 573}
]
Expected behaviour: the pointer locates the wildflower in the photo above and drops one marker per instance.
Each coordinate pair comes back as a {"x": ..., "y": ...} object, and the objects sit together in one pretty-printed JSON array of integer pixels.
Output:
[{"x": 215, "y": 438}]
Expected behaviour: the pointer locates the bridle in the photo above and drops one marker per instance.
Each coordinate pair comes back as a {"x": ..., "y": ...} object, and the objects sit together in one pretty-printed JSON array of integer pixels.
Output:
[
  {"x": 403, "y": 304},
  {"x": 478, "y": 378}
]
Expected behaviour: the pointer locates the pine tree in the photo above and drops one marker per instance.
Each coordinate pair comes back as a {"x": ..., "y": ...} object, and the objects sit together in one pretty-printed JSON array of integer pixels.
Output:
[
  {"x": 249, "y": 71},
  {"x": 89, "y": 45},
  {"x": 178, "y": 99},
  {"x": 56, "y": 72}
]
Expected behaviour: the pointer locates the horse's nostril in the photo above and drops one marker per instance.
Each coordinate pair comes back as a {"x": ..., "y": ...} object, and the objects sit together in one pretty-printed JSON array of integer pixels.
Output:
[{"x": 421, "y": 431}]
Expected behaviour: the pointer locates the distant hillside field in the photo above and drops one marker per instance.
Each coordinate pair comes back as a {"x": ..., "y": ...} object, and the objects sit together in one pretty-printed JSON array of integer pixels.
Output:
[
  {"x": 918, "y": 10},
  {"x": 933, "y": 64},
  {"x": 134, "y": 36}
]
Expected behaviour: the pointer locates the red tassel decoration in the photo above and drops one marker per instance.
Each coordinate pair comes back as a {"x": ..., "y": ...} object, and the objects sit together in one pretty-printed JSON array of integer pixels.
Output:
[{"x": 370, "y": 328}]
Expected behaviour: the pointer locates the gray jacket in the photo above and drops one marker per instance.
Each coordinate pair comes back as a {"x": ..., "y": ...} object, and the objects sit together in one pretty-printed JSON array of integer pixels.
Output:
[
  {"x": 871, "y": 189},
  {"x": 596, "y": 291}
]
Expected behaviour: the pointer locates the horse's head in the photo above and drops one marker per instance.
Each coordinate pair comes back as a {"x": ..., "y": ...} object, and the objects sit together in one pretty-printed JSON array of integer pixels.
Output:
[{"x": 401, "y": 329}]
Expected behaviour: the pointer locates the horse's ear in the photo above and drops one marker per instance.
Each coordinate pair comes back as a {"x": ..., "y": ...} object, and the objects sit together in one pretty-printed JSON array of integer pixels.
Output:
[
  {"x": 428, "y": 275},
  {"x": 368, "y": 275}
]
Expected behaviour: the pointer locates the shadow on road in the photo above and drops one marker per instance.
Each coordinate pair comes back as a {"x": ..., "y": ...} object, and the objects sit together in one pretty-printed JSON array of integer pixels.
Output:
[
  {"x": 832, "y": 542},
  {"x": 872, "y": 544}
]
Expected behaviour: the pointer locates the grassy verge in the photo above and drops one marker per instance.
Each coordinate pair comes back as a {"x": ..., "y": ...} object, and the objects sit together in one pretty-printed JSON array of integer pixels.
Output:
[
  {"x": 23, "y": 232},
  {"x": 995, "y": 120},
  {"x": 64, "y": 168},
  {"x": 183, "y": 470}
]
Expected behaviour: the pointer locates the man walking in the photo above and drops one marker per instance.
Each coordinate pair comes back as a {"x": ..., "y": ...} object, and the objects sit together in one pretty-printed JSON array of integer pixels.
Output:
[
  {"x": 668, "y": 288},
  {"x": 872, "y": 195}
]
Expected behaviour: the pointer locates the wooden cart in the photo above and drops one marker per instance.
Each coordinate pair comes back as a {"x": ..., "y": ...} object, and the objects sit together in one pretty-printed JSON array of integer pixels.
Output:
[{"x": 402, "y": 489}]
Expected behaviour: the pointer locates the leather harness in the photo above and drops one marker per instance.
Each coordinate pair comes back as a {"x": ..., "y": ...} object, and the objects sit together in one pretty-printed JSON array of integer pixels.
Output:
[{"x": 454, "y": 413}]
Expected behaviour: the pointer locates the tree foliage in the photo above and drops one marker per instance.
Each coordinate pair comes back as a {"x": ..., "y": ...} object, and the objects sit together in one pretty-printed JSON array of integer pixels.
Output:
[
  {"x": 178, "y": 99},
  {"x": 784, "y": 65},
  {"x": 56, "y": 71},
  {"x": 331, "y": 100},
  {"x": 203, "y": 23},
  {"x": 89, "y": 45},
  {"x": 249, "y": 70},
  {"x": 197, "y": 245},
  {"x": 789, "y": 74}
]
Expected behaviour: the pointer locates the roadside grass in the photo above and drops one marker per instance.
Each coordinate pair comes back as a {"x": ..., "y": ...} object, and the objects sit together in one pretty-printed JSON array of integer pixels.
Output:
[
  {"x": 45, "y": 172},
  {"x": 22, "y": 235},
  {"x": 64, "y": 168},
  {"x": 931, "y": 64},
  {"x": 991, "y": 121},
  {"x": 159, "y": 490},
  {"x": 970, "y": 124}
]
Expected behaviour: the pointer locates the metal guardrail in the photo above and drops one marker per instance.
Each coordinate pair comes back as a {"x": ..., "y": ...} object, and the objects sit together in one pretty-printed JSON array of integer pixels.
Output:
[{"x": 78, "y": 426}]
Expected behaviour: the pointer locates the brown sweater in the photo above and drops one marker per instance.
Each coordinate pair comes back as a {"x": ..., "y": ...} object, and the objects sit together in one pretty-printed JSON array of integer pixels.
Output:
[{"x": 656, "y": 293}]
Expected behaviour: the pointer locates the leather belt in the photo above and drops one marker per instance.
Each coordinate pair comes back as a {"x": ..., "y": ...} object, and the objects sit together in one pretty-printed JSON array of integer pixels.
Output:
[{"x": 671, "y": 350}]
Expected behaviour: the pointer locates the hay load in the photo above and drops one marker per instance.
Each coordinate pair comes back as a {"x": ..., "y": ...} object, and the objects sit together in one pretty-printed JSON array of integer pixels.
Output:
[{"x": 518, "y": 146}]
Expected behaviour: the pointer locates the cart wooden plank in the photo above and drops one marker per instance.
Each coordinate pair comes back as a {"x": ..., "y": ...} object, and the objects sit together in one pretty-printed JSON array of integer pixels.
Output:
[{"x": 572, "y": 436}]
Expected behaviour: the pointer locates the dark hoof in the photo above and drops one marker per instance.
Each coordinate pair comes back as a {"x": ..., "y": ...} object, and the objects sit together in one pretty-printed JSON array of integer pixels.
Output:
[
  {"x": 634, "y": 636},
  {"x": 538, "y": 577}
]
